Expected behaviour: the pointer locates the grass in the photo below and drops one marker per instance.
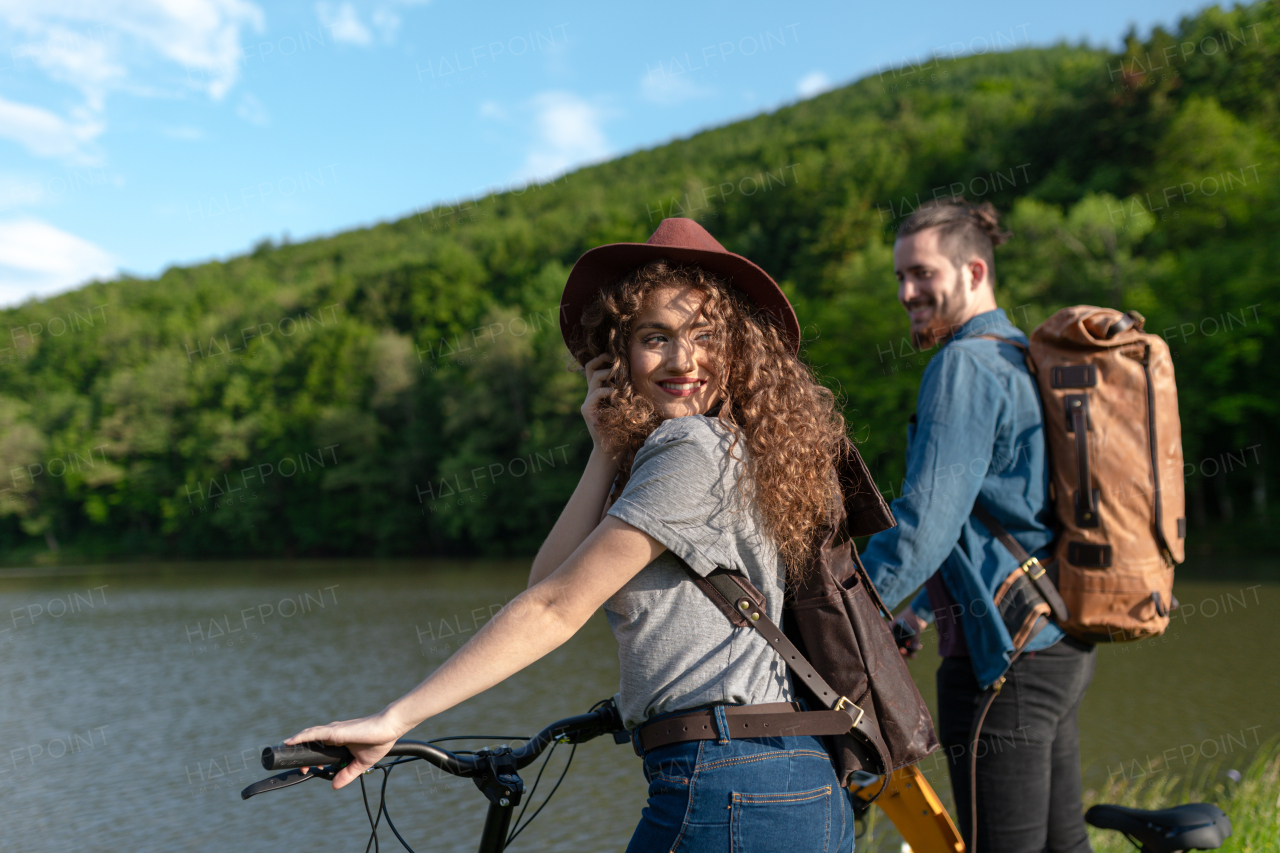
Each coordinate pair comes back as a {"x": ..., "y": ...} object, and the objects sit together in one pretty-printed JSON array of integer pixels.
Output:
[{"x": 1252, "y": 802}]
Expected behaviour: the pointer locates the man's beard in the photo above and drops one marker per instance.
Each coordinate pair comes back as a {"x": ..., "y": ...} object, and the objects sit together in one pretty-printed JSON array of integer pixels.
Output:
[{"x": 936, "y": 330}]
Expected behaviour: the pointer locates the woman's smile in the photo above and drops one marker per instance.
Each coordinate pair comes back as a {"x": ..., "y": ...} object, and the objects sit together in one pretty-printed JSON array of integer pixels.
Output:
[{"x": 681, "y": 387}]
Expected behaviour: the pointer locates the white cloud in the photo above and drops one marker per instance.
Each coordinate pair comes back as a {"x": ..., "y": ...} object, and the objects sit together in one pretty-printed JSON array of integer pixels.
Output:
[
  {"x": 252, "y": 110},
  {"x": 666, "y": 89},
  {"x": 386, "y": 22},
  {"x": 813, "y": 83},
  {"x": 567, "y": 133},
  {"x": 48, "y": 135},
  {"x": 70, "y": 57},
  {"x": 21, "y": 191},
  {"x": 99, "y": 47},
  {"x": 37, "y": 259},
  {"x": 91, "y": 45},
  {"x": 343, "y": 24}
]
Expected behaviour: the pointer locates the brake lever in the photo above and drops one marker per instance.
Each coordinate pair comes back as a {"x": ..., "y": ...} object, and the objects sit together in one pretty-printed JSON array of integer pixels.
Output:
[{"x": 289, "y": 778}]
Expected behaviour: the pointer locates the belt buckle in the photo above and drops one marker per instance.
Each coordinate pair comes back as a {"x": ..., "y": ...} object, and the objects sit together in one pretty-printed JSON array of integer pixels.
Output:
[
  {"x": 1029, "y": 564},
  {"x": 840, "y": 706}
]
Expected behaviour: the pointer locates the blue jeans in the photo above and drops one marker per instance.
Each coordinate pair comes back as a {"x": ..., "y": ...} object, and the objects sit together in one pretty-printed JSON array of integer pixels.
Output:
[{"x": 748, "y": 795}]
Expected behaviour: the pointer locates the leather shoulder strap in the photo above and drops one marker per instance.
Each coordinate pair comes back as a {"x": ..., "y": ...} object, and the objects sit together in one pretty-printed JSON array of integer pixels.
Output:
[
  {"x": 1019, "y": 344},
  {"x": 737, "y": 592},
  {"x": 1039, "y": 579},
  {"x": 739, "y": 599},
  {"x": 1006, "y": 539},
  {"x": 1026, "y": 351}
]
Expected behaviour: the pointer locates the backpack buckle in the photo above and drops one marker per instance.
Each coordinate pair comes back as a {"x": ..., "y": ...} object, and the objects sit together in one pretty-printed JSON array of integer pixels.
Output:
[
  {"x": 1029, "y": 565},
  {"x": 844, "y": 702}
]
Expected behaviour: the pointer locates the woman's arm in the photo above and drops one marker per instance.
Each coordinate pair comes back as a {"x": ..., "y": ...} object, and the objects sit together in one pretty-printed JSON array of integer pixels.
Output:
[
  {"x": 580, "y": 516},
  {"x": 534, "y": 623},
  {"x": 583, "y": 512}
]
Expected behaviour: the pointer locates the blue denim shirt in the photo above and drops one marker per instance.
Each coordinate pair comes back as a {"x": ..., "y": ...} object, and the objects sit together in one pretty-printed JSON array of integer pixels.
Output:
[{"x": 978, "y": 435}]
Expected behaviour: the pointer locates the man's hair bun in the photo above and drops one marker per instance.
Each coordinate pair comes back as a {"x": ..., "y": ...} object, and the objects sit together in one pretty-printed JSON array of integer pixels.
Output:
[
  {"x": 965, "y": 229},
  {"x": 988, "y": 219}
]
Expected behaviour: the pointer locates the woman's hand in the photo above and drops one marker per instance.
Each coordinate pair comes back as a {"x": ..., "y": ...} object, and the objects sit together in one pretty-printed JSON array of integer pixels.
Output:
[
  {"x": 590, "y": 499},
  {"x": 597, "y": 371},
  {"x": 368, "y": 738}
]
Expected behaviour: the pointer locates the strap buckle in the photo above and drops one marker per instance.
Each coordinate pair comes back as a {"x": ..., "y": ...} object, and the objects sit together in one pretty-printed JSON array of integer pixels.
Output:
[
  {"x": 1030, "y": 564},
  {"x": 840, "y": 705}
]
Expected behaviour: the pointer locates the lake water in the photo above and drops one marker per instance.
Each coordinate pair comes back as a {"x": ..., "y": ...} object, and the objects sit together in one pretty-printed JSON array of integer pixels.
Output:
[{"x": 137, "y": 698}]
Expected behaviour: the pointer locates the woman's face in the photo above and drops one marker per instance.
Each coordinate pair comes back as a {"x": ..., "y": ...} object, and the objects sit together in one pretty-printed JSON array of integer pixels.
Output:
[{"x": 671, "y": 356}]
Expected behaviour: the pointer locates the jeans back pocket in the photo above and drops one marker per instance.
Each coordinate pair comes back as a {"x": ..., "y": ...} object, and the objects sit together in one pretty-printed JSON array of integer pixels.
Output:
[{"x": 794, "y": 821}]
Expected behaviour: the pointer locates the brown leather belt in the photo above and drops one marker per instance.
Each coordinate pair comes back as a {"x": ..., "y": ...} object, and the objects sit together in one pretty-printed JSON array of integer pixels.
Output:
[{"x": 772, "y": 719}]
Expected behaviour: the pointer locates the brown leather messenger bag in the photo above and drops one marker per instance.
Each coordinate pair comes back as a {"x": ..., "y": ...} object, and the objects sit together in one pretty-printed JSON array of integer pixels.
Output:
[
  {"x": 873, "y": 719},
  {"x": 739, "y": 599}
]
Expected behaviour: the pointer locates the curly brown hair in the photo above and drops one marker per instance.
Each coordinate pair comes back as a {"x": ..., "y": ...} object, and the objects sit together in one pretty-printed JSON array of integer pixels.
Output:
[{"x": 770, "y": 401}]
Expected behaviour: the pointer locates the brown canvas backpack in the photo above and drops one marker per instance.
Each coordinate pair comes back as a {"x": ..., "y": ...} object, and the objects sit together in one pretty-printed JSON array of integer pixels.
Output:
[{"x": 1115, "y": 453}]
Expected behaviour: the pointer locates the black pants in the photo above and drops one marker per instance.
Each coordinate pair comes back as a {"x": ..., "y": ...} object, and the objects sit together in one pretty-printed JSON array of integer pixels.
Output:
[{"x": 1028, "y": 753}]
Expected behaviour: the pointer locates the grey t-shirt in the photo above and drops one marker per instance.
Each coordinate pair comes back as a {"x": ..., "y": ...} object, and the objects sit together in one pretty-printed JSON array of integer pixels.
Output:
[{"x": 676, "y": 649}]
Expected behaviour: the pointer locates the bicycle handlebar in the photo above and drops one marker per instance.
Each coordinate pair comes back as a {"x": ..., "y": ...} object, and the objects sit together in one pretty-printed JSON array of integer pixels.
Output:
[
  {"x": 581, "y": 728},
  {"x": 312, "y": 754}
]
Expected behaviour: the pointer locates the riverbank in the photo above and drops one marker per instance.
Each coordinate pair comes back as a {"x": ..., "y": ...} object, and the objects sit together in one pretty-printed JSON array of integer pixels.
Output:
[
  {"x": 1213, "y": 566},
  {"x": 1250, "y": 797}
]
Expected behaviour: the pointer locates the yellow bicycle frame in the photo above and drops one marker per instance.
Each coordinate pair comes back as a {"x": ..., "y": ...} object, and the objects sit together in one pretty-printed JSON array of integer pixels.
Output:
[{"x": 911, "y": 804}]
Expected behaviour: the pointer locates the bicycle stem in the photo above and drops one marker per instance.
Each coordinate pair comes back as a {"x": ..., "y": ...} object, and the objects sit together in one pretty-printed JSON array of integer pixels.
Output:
[{"x": 497, "y": 823}]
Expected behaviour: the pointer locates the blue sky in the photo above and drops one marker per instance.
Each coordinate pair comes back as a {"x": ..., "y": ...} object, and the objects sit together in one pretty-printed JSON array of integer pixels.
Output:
[{"x": 138, "y": 134}]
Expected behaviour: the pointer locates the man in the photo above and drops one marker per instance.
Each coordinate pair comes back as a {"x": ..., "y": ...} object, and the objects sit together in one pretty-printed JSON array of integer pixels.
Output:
[{"x": 977, "y": 436}]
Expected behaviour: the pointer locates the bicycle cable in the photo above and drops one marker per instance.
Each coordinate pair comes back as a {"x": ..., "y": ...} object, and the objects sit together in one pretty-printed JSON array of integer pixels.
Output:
[
  {"x": 521, "y": 827},
  {"x": 532, "y": 790},
  {"x": 373, "y": 823},
  {"x": 381, "y": 810},
  {"x": 572, "y": 752},
  {"x": 399, "y": 837}
]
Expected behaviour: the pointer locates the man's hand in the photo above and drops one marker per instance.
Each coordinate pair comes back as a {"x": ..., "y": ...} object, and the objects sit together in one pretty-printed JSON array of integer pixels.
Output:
[{"x": 907, "y": 629}]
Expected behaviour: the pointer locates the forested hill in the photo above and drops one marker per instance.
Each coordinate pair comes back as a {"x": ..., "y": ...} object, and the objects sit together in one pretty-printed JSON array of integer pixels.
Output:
[{"x": 402, "y": 389}]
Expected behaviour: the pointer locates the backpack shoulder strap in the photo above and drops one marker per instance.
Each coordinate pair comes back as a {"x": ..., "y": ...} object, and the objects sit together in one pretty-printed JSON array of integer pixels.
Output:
[
  {"x": 1026, "y": 351},
  {"x": 743, "y": 604},
  {"x": 737, "y": 595},
  {"x": 1030, "y": 565},
  {"x": 1019, "y": 344}
]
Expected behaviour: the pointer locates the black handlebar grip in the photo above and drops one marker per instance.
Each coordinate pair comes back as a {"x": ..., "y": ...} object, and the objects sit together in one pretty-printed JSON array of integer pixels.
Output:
[{"x": 312, "y": 754}]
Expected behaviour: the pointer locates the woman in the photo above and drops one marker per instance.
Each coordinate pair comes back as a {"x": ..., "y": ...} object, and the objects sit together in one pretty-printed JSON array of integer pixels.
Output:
[{"x": 712, "y": 446}]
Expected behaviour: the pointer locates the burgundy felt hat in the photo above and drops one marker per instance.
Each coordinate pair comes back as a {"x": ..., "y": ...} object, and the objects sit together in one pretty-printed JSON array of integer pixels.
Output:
[{"x": 681, "y": 240}]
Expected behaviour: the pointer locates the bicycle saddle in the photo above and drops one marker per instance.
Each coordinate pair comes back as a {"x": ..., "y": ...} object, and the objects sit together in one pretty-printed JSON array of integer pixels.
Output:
[{"x": 1194, "y": 826}]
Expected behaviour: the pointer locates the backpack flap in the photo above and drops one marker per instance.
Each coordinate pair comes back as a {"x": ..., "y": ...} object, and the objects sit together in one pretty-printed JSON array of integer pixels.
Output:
[
  {"x": 865, "y": 509},
  {"x": 835, "y": 616}
]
